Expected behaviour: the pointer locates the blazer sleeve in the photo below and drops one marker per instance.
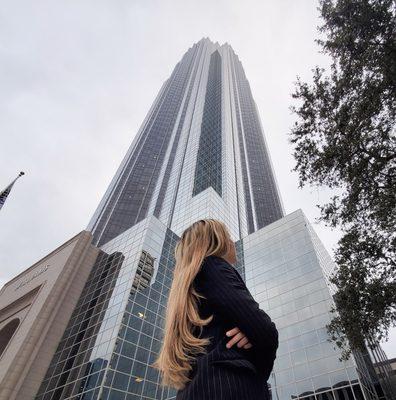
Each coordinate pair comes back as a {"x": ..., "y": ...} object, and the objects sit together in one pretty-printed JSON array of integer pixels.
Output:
[{"x": 228, "y": 295}]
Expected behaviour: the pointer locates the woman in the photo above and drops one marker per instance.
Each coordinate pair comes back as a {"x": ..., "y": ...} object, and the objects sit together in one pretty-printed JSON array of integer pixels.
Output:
[{"x": 218, "y": 344}]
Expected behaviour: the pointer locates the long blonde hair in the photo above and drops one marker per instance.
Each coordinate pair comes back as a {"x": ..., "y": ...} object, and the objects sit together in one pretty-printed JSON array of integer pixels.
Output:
[{"x": 203, "y": 238}]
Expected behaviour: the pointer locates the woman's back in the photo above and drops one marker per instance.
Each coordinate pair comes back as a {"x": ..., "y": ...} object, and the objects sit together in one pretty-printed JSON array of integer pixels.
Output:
[{"x": 230, "y": 373}]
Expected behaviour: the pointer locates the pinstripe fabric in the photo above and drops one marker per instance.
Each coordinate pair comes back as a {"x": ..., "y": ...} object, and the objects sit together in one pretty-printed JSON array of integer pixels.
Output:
[{"x": 235, "y": 373}]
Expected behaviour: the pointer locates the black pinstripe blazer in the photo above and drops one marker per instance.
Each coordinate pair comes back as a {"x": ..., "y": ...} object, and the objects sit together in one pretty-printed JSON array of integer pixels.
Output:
[{"x": 235, "y": 373}]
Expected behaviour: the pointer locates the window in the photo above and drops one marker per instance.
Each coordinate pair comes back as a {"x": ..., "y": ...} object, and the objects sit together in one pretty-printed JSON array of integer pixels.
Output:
[{"x": 7, "y": 333}]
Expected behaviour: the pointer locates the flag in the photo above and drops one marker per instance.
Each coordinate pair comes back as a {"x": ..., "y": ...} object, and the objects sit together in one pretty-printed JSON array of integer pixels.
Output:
[{"x": 4, "y": 194}]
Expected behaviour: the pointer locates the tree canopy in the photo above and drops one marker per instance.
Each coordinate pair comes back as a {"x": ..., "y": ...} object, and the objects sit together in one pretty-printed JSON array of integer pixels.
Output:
[{"x": 344, "y": 139}]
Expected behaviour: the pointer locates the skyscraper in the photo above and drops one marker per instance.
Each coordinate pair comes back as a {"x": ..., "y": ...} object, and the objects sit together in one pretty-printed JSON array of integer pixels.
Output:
[{"x": 200, "y": 153}]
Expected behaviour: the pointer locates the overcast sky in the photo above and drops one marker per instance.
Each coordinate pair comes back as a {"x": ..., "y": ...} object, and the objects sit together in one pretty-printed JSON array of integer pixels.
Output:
[{"x": 78, "y": 77}]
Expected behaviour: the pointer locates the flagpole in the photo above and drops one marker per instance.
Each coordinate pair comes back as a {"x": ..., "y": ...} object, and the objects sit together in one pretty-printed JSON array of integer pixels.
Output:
[
  {"x": 20, "y": 174},
  {"x": 4, "y": 194}
]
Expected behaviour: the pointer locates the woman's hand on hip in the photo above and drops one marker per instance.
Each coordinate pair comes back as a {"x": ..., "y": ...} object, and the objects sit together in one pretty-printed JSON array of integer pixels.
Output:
[{"x": 239, "y": 338}]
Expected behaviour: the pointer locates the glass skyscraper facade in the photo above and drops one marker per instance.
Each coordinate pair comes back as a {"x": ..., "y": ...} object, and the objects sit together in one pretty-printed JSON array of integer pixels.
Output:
[{"x": 200, "y": 153}]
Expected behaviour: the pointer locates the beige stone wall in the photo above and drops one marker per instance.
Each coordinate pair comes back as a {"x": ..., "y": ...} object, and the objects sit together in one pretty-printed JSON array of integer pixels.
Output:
[{"x": 56, "y": 283}]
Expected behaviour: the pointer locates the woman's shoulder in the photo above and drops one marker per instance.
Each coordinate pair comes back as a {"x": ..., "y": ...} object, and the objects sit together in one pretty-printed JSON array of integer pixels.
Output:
[
  {"x": 214, "y": 262},
  {"x": 217, "y": 268},
  {"x": 212, "y": 259}
]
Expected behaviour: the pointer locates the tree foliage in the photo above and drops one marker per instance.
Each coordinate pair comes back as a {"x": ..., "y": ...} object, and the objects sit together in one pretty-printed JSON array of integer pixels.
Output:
[{"x": 344, "y": 139}]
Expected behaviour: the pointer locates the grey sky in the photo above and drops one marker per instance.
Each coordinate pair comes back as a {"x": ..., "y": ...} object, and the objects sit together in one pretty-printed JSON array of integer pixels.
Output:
[{"x": 78, "y": 77}]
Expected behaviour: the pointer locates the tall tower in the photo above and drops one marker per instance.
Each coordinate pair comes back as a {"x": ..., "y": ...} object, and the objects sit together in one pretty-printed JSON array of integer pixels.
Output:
[{"x": 200, "y": 153}]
